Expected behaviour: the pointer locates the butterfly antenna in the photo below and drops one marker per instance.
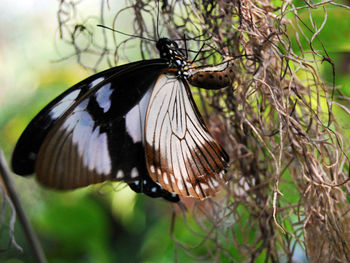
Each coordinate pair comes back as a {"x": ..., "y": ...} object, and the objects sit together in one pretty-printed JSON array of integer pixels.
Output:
[
  {"x": 186, "y": 51},
  {"x": 195, "y": 38},
  {"x": 125, "y": 34},
  {"x": 189, "y": 50},
  {"x": 223, "y": 55},
  {"x": 234, "y": 57},
  {"x": 158, "y": 19},
  {"x": 194, "y": 59}
]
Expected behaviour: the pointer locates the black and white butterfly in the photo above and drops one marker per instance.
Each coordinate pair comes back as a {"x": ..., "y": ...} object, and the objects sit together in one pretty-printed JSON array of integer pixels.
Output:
[{"x": 136, "y": 123}]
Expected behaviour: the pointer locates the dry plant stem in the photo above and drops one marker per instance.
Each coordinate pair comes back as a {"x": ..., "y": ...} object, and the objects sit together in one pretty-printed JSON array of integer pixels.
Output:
[{"x": 31, "y": 236}]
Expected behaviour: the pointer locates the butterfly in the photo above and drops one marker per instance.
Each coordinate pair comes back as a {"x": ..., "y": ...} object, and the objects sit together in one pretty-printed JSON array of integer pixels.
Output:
[{"x": 136, "y": 123}]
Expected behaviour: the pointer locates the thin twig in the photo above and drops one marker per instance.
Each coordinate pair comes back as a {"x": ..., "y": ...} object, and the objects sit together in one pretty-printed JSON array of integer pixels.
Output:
[{"x": 32, "y": 238}]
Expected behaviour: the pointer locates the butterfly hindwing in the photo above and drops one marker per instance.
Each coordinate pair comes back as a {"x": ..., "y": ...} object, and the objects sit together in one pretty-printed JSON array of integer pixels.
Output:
[{"x": 181, "y": 154}]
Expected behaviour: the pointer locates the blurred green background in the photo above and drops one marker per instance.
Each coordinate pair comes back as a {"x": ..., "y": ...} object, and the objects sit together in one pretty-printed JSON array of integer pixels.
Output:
[{"x": 96, "y": 224}]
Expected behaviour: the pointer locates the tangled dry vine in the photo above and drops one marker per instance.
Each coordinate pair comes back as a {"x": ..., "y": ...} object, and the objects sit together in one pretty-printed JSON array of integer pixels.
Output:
[{"x": 289, "y": 172}]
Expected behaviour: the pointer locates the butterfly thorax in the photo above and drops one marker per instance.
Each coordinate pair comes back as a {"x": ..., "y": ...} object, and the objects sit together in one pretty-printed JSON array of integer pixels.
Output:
[{"x": 170, "y": 51}]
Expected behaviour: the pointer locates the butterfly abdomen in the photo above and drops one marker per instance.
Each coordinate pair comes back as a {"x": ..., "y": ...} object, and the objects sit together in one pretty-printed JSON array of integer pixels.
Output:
[{"x": 213, "y": 77}]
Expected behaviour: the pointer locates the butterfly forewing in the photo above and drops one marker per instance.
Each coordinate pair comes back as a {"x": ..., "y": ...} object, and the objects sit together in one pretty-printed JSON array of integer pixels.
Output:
[
  {"x": 28, "y": 145},
  {"x": 181, "y": 154},
  {"x": 99, "y": 138}
]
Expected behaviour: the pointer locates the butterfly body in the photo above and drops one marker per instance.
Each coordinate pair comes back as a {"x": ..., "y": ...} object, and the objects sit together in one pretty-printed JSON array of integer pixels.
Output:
[
  {"x": 213, "y": 77},
  {"x": 102, "y": 128}
]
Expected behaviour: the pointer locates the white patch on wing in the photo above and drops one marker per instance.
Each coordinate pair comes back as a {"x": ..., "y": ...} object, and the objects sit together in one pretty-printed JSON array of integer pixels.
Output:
[
  {"x": 92, "y": 145},
  {"x": 106, "y": 158},
  {"x": 204, "y": 186},
  {"x": 64, "y": 104},
  {"x": 75, "y": 153},
  {"x": 90, "y": 151},
  {"x": 198, "y": 190},
  {"x": 165, "y": 178},
  {"x": 103, "y": 97},
  {"x": 135, "y": 119},
  {"x": 82, "y": 131},
  {"x": 134, "y": 173},
  {"x": 215, "y": 183},
  {"x": 133, "y": 124},
  {"x": 95, "y": 82},
  {"x": 188, "y": 184},
  {"x": 103, "y": 155},
  {"x": 120, "y": 175}
]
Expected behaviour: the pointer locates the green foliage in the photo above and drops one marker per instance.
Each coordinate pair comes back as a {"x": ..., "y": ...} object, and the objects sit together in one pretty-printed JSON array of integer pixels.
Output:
[
  {"x": 76, "y": 229},
  {"x": 334, "y": 36}
]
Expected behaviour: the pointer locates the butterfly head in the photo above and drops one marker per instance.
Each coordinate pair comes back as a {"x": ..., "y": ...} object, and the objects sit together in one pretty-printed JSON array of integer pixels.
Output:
[{"x": 170, "y": 51}]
